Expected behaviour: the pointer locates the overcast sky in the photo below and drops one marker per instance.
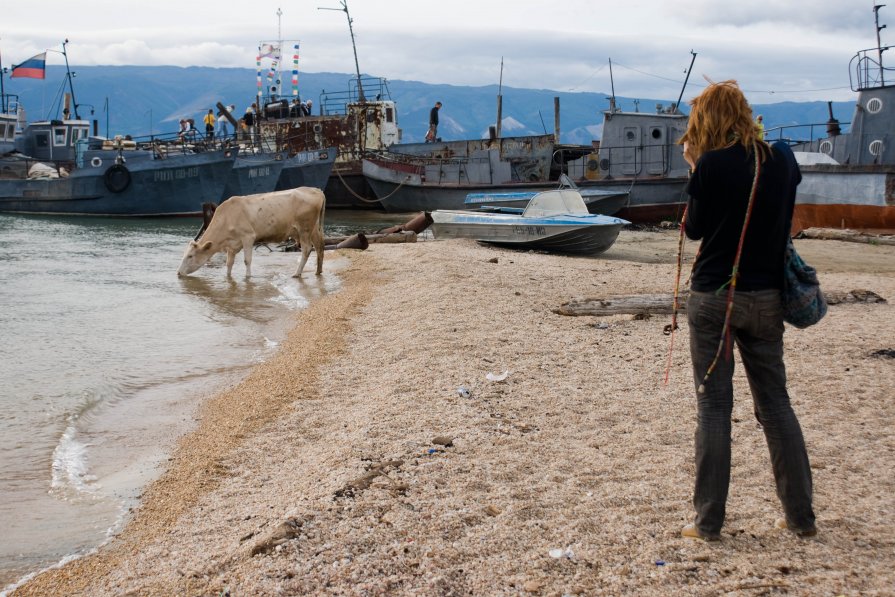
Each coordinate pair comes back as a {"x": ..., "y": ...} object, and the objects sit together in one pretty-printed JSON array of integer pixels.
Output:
[{"x": 779, "y": 50}]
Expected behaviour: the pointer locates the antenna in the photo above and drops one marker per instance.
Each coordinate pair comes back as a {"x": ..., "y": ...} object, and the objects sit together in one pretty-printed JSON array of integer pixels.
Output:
[
  {"x": 612, "y": 86},
  {"x": 879, "y": 46},
  {"x": 360, "y": 86},
  {"x": 70, "y": 85},
  {"x": 677, "y": 106}
]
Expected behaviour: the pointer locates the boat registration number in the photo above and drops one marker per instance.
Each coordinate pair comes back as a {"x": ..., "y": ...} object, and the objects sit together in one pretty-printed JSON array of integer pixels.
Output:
[
  {"x": 175, "y": 174},
  {"x": 259, "y": 172},
  {"x": 530, "y": 230}
]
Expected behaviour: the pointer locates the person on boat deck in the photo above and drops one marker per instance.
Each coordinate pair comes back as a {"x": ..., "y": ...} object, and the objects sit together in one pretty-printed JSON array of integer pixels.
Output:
[
  {"x": 184, "y": 127},
  {"x": 295, "y": 108},
  {"x": 309, "y": 107},
  {"x": 432, "y": 135},
  {"x": 209, "y": 121},
  {"x": 721, "y": 145},
  {"x": 224, "y": 124},
  {"x": 249, "y": 120},
  {"x": 759, "y": 122}
]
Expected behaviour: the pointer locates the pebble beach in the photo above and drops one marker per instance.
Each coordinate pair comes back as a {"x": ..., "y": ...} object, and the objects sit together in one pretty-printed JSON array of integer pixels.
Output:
[{"x": 436, "y": 428}]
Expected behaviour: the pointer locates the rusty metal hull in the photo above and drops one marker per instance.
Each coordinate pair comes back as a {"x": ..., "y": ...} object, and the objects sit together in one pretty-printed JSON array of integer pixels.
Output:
[{"x": 843, "y": 196}]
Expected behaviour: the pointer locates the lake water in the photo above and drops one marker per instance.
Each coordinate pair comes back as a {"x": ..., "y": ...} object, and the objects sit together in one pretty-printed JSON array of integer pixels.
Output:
[{"x": 105, "y": 353}]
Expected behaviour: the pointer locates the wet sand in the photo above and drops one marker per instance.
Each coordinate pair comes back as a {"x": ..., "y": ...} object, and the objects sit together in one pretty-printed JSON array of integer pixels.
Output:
[{"x": 350, "y": 464}]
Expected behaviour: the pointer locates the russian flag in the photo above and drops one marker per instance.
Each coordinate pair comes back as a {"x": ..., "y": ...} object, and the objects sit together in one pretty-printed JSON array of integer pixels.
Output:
[{"x": 33, "y": 68}]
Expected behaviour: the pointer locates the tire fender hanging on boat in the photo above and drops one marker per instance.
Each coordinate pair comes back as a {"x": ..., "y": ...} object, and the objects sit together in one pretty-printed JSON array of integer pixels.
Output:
[{"x": 117, "y": 178}]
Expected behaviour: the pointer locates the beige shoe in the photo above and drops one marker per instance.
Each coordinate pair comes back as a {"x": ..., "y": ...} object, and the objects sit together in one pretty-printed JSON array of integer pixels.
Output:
[
  {"x": 780, "y": 523},
  {"x": 691, "y": 532}
]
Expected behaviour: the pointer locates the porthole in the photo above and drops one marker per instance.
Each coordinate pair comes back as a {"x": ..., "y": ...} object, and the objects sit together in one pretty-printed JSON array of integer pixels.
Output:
[
  {"x": 874, "y": 105},
  {"x": 96, "y": 162},
  {"x": 656, "y": 134},
  {"x": 876, "y": 147},
  {"x": 630, "y": 135},
  {"x": 826, "y": 147}
]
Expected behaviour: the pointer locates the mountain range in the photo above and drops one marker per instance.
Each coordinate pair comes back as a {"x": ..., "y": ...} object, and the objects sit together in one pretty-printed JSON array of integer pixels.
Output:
[{"x": 143, "y": 100}]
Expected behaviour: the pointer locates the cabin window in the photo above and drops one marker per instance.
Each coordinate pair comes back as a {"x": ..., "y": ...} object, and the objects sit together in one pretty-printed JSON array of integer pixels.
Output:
[
  {"x": 2, "y": 131},
  {"x": 656, "y": 133},
  {"x": 59, "y": 136},
  {"x": 42, "y": 139},
  {"x": 389, "y": 115},
  {"x": 78, "y": 133}
]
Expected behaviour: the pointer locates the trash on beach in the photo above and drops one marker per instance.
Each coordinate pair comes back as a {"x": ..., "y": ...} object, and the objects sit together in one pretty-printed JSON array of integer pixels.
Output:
[
  {"x": 558, "y": 553},
  {"x": 493, "y": 377},
  {"x": 463, "y": 392}
]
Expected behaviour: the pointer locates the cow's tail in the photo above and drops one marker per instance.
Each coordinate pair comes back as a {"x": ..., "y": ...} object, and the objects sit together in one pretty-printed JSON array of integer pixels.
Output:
[{"x": 322, "y": 214}]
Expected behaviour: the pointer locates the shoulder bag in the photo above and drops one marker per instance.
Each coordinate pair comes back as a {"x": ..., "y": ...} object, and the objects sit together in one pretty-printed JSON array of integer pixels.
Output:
[{"x": 803, "y": 302}]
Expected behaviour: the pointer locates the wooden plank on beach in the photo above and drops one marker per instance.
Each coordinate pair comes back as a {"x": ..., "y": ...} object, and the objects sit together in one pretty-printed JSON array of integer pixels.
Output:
[
  {"x": 661, "y": 304},
  {"x": 853, "y": 236}
]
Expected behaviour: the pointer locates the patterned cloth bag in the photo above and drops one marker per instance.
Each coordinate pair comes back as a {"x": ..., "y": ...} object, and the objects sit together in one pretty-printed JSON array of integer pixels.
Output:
[{"x": 803, "y": 302}]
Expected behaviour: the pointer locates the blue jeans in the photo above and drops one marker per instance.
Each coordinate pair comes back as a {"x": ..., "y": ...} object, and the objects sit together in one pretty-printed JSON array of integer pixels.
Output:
[{"x": 757, "y": 329}]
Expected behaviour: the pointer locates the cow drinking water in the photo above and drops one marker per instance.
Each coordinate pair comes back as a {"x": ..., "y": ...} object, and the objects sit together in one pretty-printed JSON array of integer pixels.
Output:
[{"x": 241, "y": 221}]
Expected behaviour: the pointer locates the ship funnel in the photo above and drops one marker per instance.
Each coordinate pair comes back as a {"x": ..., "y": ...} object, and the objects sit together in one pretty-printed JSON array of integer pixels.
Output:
[{"x": 833, "y": 129}]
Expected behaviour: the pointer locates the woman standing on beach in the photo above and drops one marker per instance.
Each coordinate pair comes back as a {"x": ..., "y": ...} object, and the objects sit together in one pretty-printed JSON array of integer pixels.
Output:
[{"x": 723, "y": 148}]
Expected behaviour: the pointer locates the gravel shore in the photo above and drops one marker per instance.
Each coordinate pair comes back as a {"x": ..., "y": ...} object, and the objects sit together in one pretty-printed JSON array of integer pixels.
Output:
[{"x": 350, "y": 463}]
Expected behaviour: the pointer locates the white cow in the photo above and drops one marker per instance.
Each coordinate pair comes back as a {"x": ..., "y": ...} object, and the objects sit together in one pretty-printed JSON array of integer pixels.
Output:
[{"x": 240, "y": 222}]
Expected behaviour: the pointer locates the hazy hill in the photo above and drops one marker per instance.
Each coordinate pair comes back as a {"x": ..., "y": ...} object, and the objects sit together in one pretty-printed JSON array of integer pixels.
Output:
[{"x": 138, "y": 99}]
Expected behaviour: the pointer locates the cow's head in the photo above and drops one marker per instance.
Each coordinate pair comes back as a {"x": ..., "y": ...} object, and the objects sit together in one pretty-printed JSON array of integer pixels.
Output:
[{"x": 196, "y": 256}]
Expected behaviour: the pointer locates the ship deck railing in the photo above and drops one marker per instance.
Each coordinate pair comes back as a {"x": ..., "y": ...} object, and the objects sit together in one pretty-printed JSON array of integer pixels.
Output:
[
  {"x": 866, "y": 71},
  {"x": 367, "y": 89}
]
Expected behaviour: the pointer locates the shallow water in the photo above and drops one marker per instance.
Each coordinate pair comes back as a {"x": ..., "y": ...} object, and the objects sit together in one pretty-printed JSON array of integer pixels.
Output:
[{"x": 105, "y": 353}]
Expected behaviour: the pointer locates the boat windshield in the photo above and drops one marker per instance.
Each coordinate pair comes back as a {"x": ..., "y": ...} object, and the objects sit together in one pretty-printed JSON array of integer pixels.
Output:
[{"x": 551, "y": 203}]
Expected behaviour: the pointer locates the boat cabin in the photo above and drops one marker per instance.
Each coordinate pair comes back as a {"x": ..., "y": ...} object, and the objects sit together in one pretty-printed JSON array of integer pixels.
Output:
[{"x": 53, "y": 140}]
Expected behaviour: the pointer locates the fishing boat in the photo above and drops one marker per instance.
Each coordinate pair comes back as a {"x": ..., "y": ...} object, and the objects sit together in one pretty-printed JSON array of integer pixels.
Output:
[
  {"x": 636, "y": 158},
  {"x": 347, "y": 124},
  {"x": 556, "y": 220},
  {"x": 420, "y": 177},
  {"x": 848, "y": 179},
  {"x": 56, "y": 167},
  {"x": 60, "y": 170}
]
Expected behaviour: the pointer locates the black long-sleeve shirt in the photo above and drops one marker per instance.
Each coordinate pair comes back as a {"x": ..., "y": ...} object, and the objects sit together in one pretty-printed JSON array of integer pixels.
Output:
[{"x": 719, "y": 193}]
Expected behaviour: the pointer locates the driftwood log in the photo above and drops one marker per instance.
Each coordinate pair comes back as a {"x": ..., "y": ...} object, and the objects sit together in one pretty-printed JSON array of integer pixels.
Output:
[
  {"x": 660, "y": 304},
  {"x": 853, "y": 236}
]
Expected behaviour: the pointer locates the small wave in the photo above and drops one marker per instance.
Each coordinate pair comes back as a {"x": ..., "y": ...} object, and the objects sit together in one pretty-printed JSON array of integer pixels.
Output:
[{"x": 70, "y": 471}]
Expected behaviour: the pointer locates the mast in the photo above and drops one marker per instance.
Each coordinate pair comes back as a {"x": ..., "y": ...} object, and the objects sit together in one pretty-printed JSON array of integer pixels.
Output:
[
  {"x": 879, "y": 45},
  {"x": 677, "y": 106},
  {"x": 70, "y": 85},
  {"x": 2, "y": 92},
  {"x": 500, "y": 99},
  {"x": 360, "y": 87},
  {"x": 612, "y": 87}
]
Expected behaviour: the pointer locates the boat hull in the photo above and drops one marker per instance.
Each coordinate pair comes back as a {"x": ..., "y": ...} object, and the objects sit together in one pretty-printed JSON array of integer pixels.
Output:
[
  {"x": 307, "y": 169},
  {"x": 253, "y": 174},
  {"x": 401, "y": 188},
  {"x": 589, "y": 234},
  {"x": 174, "y": 186},
  {"x": 842, "y": 196}
]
